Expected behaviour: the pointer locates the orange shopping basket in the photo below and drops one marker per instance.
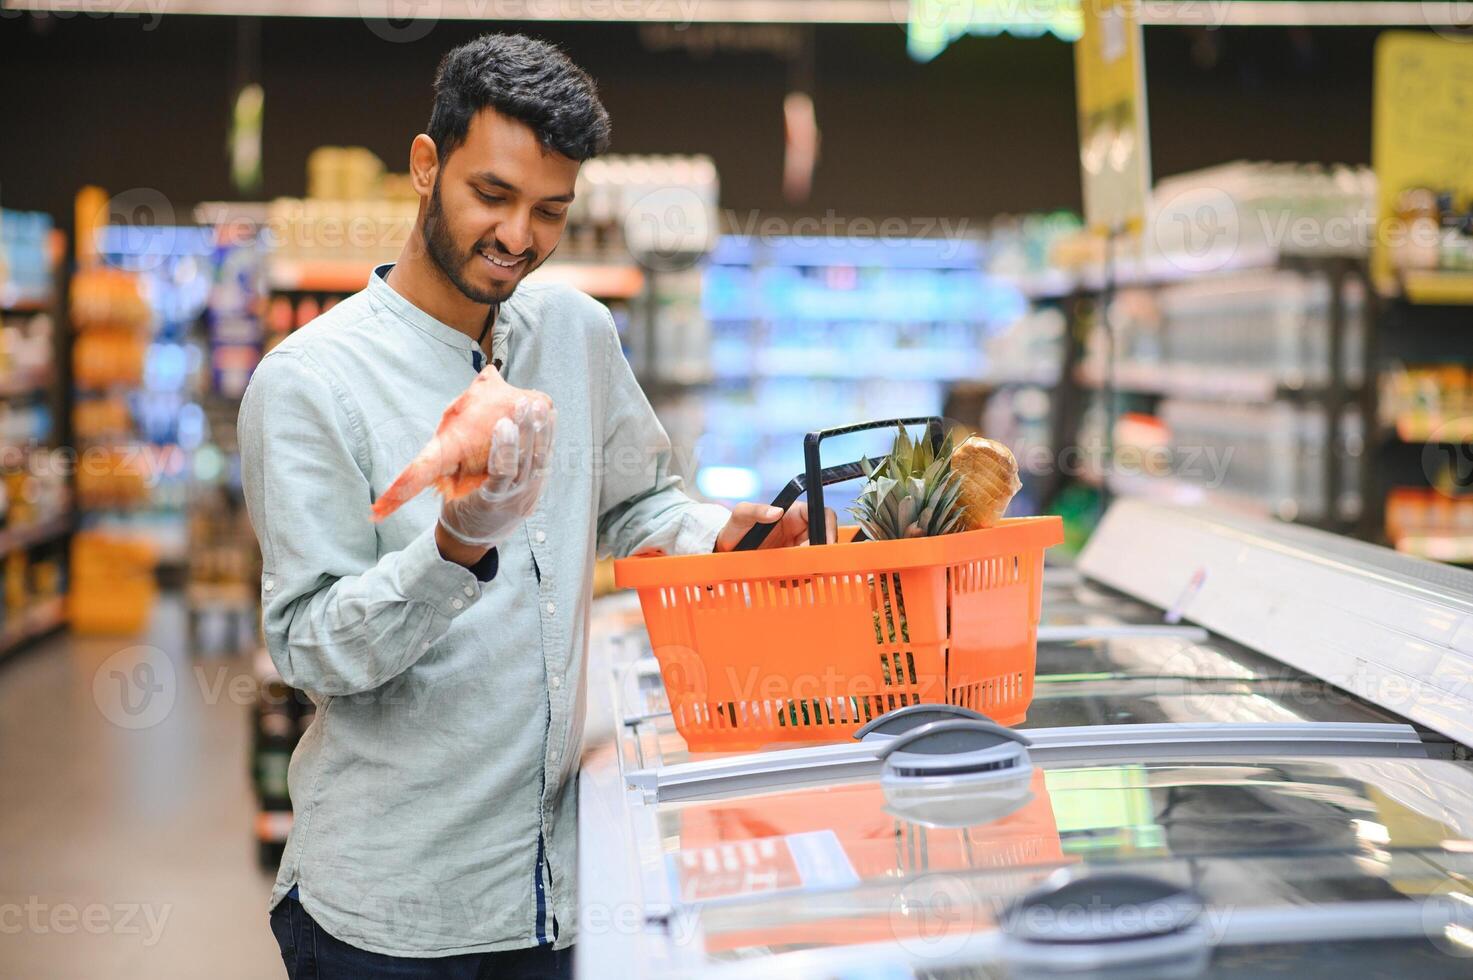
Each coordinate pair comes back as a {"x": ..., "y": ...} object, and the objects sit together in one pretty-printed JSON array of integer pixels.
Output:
[{"x": 808, "y": 644}]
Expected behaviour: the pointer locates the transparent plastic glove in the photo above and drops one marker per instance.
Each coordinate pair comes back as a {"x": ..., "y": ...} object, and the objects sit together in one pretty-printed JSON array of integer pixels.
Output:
[{"x": 516, "y": 467}]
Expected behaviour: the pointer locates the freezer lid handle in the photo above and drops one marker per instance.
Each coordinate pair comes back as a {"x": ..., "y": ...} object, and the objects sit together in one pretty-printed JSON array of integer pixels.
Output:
[
  {"x": 913, "y": 716},
  {"x": 961, "y": 749},
  {"x": 1109, "y": 922}
]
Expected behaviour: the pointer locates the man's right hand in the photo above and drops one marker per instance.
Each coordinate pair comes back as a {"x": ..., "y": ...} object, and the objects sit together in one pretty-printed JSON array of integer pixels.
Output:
[{"x": 516, "y": 468}]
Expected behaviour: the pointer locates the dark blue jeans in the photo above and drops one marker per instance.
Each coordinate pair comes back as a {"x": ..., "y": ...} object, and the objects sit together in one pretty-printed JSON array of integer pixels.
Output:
[{"x": 311, "y": 954}]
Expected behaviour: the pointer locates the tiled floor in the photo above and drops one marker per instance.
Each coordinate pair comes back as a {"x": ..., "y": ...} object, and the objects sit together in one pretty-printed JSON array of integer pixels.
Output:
[{"x": 126, "y": 813}]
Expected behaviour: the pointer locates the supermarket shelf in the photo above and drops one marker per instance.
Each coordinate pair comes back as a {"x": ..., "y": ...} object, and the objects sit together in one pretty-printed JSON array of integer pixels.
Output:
[
  {"x": 1434, "y": 428},
  {"x": 1438, "y": 288},
  {"x": 1456, "y": 549},
  {"x": 1021, "y": 379},
  {"x": 25, "y": 305},
  {"x": 604, "y": 280},
  {"x": 620, "y": 280},
  {"x": 1043, "y": 285},
  {"x": 25, "y": 387},
  {"x": 319, "y": 275},
  {"x": 45, "y": 617},
  {"x": 215, "y": 595},
  {"x": 34, "y": 533},
  {"x": 900, "y": 365},
  {"x": 1215, "y": 383}
]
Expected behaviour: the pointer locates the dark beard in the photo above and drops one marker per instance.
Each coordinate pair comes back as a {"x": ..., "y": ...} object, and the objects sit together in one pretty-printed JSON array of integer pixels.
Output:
[{"x": 442, "y": 252}]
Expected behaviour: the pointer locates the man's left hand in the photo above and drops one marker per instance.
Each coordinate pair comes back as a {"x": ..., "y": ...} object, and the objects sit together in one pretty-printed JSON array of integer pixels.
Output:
[{"x": 791, "y": 531}]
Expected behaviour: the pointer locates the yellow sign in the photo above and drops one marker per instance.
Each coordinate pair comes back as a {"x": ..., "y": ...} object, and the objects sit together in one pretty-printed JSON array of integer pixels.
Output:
[
  {"x": 1422, "y": 146},
  {"x": 1114, "y": 140}
]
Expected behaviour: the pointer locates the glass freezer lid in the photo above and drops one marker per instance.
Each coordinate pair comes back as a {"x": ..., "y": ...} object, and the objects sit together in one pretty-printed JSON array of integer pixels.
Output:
[
  {"x": 1073, "y": 703},
  {"x": 1066, "y": 701},
  {"x": 819, "y": 839},
  {"x": 1157, "y": 656},
  {"x": 923, "y": 910}
]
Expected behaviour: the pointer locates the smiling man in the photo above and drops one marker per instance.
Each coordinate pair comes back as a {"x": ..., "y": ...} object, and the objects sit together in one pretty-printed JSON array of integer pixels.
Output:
[{"x": 435, "y": 792}]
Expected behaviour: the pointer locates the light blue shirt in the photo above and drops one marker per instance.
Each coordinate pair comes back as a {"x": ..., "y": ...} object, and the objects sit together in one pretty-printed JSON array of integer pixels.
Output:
[{"x": 450, "y": 711}]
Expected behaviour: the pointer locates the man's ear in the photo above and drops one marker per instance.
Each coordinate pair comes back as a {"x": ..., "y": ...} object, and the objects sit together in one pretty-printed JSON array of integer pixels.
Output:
[{"x": 424, "y": 164}]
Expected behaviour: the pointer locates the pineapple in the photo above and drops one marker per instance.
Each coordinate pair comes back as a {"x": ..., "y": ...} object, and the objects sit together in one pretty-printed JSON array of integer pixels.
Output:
[{"x": 912, "y": 493}]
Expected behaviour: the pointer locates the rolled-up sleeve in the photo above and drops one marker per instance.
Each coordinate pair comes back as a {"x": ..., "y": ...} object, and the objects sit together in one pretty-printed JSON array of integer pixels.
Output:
[
  {"x": 338, "y": 618},
  {"x": 643, "y": 507}
]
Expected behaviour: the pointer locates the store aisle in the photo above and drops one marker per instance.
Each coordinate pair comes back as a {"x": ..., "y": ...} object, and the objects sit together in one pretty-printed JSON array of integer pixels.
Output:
[{"x": 127, "y": 850}]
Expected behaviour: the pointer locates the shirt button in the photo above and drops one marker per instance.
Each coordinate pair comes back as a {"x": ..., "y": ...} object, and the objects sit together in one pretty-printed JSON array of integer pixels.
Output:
[
  {"x": 469, "y": 591},
  {"x": 551, "y": 608},
  {"x": 540, "y": 536},
  {"x": 553, "y": 755},
  {"x": 555, "y": 681},
  {"x": 457, "y": 604},
  {"x": 425, "y": 645},
  {"x": 269, "y": 584}
]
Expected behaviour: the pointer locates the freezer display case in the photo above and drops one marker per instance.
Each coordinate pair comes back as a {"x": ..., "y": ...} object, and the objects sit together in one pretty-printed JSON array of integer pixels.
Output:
[{"x": 1246, "y": 756}]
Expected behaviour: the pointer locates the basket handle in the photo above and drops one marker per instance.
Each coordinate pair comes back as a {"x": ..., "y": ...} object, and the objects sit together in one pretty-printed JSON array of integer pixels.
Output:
[{"x": 815, "y": 477}]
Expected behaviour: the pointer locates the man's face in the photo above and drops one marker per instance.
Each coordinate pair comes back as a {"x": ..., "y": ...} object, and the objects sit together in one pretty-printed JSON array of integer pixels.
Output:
[{"x": 498, "y": 207}]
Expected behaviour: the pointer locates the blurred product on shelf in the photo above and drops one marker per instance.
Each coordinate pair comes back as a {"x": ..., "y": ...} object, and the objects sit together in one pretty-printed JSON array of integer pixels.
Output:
[
  {"x": 1235, "y": 216},
  {"x": 1030, "y": 350},
  {"x": 106, "y": 298},
  {"x": 1242, "y": 335},
  {"x": 26, "y": 260},
  {"x": 787, "y": 318},
  {"x": 1437, "y": 225},
  {"x": 662, "y": 210},
  {"x": 1430, "y": 524},
  {"x": 1024, "y": 249},
  {"x": 1246, "y": 213},
  {"x": 1261, "y": 459},
  {"x": 112, "y": 583},
  {"x": 1427, "y": 402},
  {"x": 280, "y": 717},
  {"x": 27, "y": 353},
  {"x": 136, "y": 300},
  {"x": 350, "y": 173}
]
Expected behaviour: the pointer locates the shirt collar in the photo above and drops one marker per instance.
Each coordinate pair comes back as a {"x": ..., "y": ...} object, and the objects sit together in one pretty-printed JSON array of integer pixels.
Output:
[{"x": 384, "y": 295}]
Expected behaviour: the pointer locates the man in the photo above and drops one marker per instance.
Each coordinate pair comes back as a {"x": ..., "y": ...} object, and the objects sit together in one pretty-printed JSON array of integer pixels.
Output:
[{"x": 435, "y": 792}]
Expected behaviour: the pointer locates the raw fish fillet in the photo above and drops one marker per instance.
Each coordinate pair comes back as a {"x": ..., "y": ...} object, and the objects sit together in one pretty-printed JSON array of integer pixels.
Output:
[{"x": 454, "y": 460}]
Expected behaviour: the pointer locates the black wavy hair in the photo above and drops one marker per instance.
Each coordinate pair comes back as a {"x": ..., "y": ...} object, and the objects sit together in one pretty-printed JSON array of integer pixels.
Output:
[{"x": 528, "y": 80}]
